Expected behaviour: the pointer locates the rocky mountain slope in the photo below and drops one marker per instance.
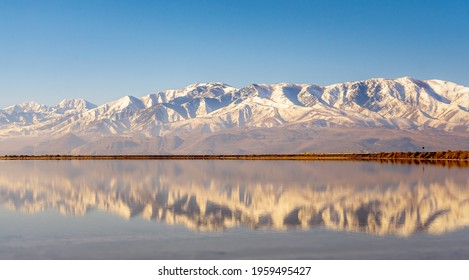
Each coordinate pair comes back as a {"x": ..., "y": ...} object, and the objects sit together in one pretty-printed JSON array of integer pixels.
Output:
[{"x": 371, "y": 115}]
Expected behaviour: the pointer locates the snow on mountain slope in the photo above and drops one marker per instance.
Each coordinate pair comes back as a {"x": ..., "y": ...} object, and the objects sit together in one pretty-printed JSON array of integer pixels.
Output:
[
  {"x": 70, "y": 106},
  {"x": 29, "y": 117},
  {"x": 205, "y": 108}
]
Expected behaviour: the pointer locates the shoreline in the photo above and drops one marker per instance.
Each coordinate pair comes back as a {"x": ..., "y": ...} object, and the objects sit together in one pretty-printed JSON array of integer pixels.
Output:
[{"x": 462, "y": 156}]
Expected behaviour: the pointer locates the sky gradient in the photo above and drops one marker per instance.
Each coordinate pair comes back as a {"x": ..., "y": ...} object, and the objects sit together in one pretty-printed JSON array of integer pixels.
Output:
[{"x": 102, "y": 50}]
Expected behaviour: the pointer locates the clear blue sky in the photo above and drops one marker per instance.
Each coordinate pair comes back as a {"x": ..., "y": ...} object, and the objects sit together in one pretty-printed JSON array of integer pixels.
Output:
[{"x": 102, "y": 50}]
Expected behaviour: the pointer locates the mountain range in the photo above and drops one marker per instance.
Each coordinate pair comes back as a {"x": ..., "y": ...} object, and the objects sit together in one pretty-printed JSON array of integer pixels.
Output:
[{"x": 402, "y": 114}]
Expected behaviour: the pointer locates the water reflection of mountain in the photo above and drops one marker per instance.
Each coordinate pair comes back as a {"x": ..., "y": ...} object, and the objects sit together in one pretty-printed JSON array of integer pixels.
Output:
[{"x": 215, "y": 195}]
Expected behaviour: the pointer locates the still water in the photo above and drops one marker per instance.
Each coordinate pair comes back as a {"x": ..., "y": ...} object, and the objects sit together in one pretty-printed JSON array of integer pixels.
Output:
[{"x": 178, "y": 209}]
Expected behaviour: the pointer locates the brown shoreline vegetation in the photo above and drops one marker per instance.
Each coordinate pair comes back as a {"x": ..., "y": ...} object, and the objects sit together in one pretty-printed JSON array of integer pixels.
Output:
[{"x": 446, "y": 158}]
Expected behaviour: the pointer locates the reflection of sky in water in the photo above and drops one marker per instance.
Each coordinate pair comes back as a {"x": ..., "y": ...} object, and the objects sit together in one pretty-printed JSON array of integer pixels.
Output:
[{"x": 229, "y": 209}]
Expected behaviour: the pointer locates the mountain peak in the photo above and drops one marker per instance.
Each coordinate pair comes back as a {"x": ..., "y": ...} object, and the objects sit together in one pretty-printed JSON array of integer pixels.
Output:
[
  {"x": 407, "y": 79},
  {"x": 208, "y": 84},
  {"x": 77, "y": 104},
  {"x": 205, "y": 109},
  {"x": 127, "y": 101},
  {"x": 30, "y": 107}
]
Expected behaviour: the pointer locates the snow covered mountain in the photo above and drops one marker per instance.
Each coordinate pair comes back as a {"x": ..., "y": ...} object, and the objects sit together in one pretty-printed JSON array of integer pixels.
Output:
[{"x": 396, "y": 114}]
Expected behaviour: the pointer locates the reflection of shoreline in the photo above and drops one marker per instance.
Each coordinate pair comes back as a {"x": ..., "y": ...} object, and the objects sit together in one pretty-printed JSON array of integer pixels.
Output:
[
  {"x": 351, "y": 196},
  {"x": 446, "y": 163}
]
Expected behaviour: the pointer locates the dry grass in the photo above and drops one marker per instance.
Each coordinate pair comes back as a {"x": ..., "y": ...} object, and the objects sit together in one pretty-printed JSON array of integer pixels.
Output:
[{"x": 446, "y": 158}]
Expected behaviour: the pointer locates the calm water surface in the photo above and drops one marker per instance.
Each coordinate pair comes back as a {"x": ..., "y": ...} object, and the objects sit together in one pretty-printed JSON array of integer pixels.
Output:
[{"x": 232, "y": 210}]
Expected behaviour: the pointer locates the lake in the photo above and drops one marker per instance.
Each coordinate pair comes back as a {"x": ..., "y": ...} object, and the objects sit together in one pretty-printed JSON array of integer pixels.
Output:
[{"x": 214, "y": 209}]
